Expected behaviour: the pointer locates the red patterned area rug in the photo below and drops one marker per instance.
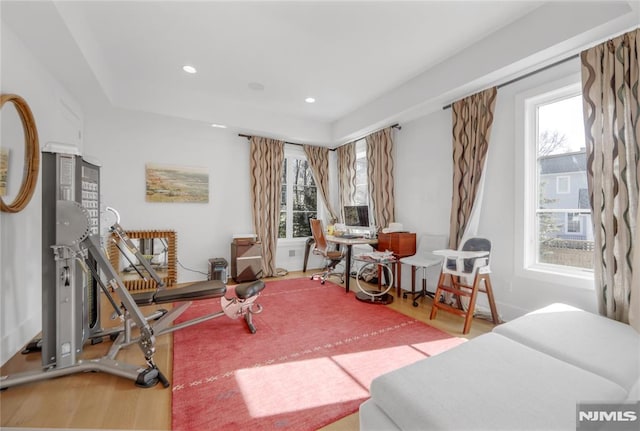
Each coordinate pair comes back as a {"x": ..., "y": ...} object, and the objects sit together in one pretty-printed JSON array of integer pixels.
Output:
[{"x": 309, "y": 364}]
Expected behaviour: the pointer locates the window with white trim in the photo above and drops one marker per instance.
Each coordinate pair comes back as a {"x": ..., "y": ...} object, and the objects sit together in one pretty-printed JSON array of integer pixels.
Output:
[
  {"x": 299, "y": 197},
  {"x": 558, "y": 228},
  {"x": 362, "y": 183}
]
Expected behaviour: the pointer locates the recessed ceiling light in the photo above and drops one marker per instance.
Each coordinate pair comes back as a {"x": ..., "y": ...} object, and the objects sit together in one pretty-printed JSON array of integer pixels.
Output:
[
  {"x": 256, "y": 86},
  {"x": 310, "y": 100},
  {"x": 219, "y": 126},
  {"x": 189, "y": 69}
]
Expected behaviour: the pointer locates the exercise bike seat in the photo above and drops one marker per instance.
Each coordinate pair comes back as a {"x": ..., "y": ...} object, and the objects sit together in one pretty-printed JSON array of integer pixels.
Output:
[
  {"x": 195, "y": 291},
  {"x": 247, "y": 290}
]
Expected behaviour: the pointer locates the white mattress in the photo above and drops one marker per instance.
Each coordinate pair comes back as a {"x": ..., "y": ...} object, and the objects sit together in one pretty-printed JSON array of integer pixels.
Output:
[
  {"x": 603, "y": 346},
  {"x": 491, "y": 383}
]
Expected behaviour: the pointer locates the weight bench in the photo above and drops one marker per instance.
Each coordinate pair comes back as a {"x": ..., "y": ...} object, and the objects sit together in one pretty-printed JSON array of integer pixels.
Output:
[
  {"x": 199, "y": 290},
  {"x": 242, "y": 304},
  {"x": 195, "y": 291}
]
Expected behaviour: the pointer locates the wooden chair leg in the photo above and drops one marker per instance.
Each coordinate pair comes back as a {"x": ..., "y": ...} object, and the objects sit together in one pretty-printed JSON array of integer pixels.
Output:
[
  {"x": 492, "y": 302},
  {"x": 456, "y": 284},
  {"x": 436, "y": 297},
  {"x": 472, "y": 305}
]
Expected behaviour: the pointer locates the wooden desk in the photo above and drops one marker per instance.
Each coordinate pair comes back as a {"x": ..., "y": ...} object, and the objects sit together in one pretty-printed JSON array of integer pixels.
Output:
[
  {"x": 402, "y": 244},
  {"x": 349, "y": 243}
]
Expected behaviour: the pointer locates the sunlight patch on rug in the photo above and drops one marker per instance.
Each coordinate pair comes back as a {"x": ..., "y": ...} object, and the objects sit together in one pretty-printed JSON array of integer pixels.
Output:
[
  {"x": 367, "y": 365},
  {"x": 296, "y": 386}
]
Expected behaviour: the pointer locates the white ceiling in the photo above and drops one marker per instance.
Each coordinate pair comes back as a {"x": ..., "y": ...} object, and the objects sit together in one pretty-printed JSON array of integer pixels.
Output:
[{"x": 345, "y": 54}]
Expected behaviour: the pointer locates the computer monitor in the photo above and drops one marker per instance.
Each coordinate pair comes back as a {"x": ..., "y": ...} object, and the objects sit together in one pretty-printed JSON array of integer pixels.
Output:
[{"x": 356, "y": 216}]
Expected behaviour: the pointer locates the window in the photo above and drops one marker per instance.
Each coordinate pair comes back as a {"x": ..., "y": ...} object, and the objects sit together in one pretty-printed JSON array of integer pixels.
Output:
[
  {"x": 299, "y": 197},
  {"x": 558, "y": 232},
  {"x": 574, "y": 223},
  {"x": 362, "y": 182},
  {"x": 563, "y": 184}
]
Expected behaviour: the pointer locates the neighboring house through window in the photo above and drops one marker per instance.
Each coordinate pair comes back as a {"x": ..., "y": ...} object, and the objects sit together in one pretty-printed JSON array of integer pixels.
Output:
[
  {"x": 558, "y": 233},
  {"x": 299, "y": 197}
]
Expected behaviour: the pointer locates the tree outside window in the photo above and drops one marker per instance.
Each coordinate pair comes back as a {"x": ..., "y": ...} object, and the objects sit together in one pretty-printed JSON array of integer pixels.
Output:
[
  {"x": 362, "y": 182},
  {"x": 299, "y": 198}
]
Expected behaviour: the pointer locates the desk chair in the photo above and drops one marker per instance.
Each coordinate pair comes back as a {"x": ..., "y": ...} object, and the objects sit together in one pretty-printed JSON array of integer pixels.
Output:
[
  {"x": 467, "y": 270},
  {"x": 423, "y": 259},
  {"x": 331, "y": 257},
  {"x": 307, "y": 246}
]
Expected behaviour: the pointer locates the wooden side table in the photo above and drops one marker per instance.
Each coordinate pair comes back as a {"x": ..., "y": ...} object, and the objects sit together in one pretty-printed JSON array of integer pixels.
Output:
[
  {"x": 402, "y": 244},
  {"x": 246, "y": 261}
]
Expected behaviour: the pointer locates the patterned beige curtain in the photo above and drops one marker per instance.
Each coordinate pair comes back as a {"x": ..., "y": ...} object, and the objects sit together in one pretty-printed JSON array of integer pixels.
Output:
[
  {"x": 634, "y": 306},
  {"x": 472, "y": 120},
  {"x": 346, "y": 175},
  {"x": 610, "y": 101},
  {"x": 265, "y": 165},
  {"x": 380, "y": 176},
  {"x": 318, "y": 158}
]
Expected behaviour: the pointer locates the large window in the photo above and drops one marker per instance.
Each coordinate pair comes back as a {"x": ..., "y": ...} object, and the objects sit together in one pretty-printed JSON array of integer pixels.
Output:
[
  {"x": 299, "y": 197},
  {"x": 362, "y": 183},
  {"x": 558, "y": 215}
]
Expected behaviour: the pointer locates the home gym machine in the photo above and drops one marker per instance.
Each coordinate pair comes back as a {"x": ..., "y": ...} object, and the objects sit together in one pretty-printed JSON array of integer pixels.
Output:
[
  {"x": 241, "y": 305},
  {"x": 75, "y": 269}
]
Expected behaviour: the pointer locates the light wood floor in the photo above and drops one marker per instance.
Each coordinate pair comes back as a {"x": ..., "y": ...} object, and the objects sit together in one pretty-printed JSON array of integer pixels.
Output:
[{"x": 102, "y": 401}]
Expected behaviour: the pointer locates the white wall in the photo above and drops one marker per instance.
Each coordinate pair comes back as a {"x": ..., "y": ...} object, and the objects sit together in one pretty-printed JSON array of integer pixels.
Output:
[
  {"x": 423, "y": 202},
  {"x": 124, "y": 141},
  {"x": 423, "y": 173},
  {"x": 58, "y": 118}
]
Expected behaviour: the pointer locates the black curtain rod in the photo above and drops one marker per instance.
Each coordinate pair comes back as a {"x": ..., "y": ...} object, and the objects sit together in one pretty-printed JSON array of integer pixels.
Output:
[
  {"x": 251, "y": 136},
  {"x": 395, "y": 126},
  {"x": 533, "y": 72}
]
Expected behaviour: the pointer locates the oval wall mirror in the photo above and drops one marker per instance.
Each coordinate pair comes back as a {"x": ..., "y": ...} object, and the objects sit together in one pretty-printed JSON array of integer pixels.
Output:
[{"x": 19, "y": 153}]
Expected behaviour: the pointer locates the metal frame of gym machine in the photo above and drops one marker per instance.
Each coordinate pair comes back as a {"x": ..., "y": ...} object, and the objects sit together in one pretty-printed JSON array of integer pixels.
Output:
[
  {"x": 75, "y": 268},
  {"x": 70, "y": 281}
]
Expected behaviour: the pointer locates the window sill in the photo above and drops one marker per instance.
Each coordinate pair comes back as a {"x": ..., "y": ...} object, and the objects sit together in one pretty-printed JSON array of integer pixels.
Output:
[{"x": 577, "y": 278}]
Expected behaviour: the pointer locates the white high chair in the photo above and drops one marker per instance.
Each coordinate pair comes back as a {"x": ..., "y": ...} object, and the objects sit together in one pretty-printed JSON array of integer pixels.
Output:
[{"x": 467, "y": 269}]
